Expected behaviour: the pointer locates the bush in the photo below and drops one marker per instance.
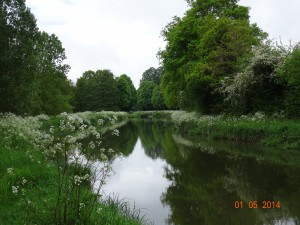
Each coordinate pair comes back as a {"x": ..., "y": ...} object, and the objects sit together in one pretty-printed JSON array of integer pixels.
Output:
[{"x": 290, "y": 75}]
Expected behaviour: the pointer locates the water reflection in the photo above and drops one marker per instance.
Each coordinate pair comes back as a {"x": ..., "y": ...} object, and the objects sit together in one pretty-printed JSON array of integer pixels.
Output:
[
  {"x": 185, "y": 185},
  {"x": 140, "y": 179}
]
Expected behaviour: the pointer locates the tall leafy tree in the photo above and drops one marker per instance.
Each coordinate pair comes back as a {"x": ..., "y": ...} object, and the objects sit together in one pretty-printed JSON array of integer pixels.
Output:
[
  {"x": 152, "y": 74},
  {"x": 17, "y": 65},
  {"x": 157, "y": 99},
  {"x": 207, "y": 44},
  {"x": 97, "y": 91},
  {"x": 53, "y": 89},
  {"x": 32, "y": 74},
  {"x": 144, "y": 95},
  {"x": 290, "y": 77},
  {"x": 127, "y": 92}
]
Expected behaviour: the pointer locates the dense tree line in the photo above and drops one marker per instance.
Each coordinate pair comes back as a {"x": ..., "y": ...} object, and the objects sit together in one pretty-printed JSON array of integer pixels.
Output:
[
  {"x": 100, "y": 90},
  {"x": 216, "y": 61},
  {"x": 32, "y": 74},
  {"x": 149, "y": 94}
]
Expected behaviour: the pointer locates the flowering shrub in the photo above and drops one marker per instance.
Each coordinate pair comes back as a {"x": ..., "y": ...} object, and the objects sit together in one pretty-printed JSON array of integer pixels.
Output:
[
  {"x": 257, "y": 86},
  {"x": 70, "y": 145}
]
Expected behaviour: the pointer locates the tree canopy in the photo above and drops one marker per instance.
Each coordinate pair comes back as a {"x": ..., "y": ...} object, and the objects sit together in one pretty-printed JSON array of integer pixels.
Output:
[
  {"x": 96, "y": 91},
  {"x": 152, "y": 74},
  {"x": 128, "y": 96},
  {"x": 32, "y": 74},
  {"x": 207, "y": 44}
]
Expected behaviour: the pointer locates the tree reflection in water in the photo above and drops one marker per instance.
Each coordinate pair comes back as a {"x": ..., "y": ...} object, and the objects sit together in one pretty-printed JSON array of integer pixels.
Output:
[{"x": 204, "y": 182}]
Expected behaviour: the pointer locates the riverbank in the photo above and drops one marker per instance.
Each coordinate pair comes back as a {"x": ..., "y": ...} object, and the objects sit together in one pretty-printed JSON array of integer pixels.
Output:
[
  {"x": 275, "y": 131},
  {"x": 41, "y": 184}
]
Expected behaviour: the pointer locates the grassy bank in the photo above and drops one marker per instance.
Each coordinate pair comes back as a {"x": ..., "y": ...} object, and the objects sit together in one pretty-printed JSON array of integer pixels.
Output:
[
  {"x": 39, "y": 184},
  {"x": 258, "y": 128},
  {"x": 271, "y": 131}
]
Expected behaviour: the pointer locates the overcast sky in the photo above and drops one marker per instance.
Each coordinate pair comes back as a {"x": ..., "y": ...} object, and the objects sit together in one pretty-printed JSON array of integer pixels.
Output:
[{"x": 124, "y": 35}]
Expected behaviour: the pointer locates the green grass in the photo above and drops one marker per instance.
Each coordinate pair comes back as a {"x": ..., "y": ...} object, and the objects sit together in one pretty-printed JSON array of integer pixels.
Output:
[
  {"x": 258, "y": 128},
  {"x": 24, "y": 167}
]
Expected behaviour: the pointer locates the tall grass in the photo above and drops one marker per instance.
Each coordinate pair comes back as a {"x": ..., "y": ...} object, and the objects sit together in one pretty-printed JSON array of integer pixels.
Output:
[{"x": 44, "y": 177}]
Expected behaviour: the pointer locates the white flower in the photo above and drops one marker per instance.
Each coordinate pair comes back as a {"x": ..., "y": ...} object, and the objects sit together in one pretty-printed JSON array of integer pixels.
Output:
[
  {"x": 101, "y": 122},
  {"x": 86, "y": 177},
  {"x": 77, "y": 180},
  {"x": 111, "y": 151},
  {"x": 51, "y": 129},
  {"x": 103, "y": 157},
  {"x": 81, "y": 205},
  {"x": 10, "y": 171},
  {"x": 115, "y": 132},
  {"x": 15, "y": 189},
  {"x": 24, "y": 181},
  {"x": 92, "y": 145}
]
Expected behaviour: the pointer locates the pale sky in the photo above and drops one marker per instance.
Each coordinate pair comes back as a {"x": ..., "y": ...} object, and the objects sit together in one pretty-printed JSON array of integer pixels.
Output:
[{"x": 124, "y": 35}]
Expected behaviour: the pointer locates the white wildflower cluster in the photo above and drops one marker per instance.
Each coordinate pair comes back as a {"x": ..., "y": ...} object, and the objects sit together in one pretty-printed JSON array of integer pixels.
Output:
[
  {"x": 19, "y": 128},
  {"x": 24, "y": 181},
  {"x": 10, "y": 171},
  {"x": 279, "y": 115},
  {"x": 81, "y": 205},
  {"x": 115, "y": 132},
  {"x": 111, "y": 151},
  {"x": 182, "y": 116},
  {"x": 82, "y": 127},
  {"x": 209, "y": 120},
  {"x": 94, "y": 132},
  {"x": 43, "y": 117},
  {"x": 101, "y": 122},
  {"x": 92, "y": 145},
  {"x": 113, "y": 119},
  {"x": 99, "y": 209},
  {"x": 66, "y": 125},
  {"x": 103, "y": 157},
  {"x": 79, "y": 179},
  {"x": 15, "y": 190},
  {"x": 85, "y": 116},
  {"x": 70, "y": 139},
  {"x": 258, "y": 116}
]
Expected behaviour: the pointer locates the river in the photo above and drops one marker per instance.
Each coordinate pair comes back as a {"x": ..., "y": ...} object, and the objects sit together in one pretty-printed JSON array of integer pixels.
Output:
[{"x": 174, "y": 181}]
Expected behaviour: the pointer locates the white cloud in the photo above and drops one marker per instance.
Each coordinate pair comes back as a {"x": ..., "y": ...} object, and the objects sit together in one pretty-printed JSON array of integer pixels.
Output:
[
  {"x": 124, "y": 36},
  {"x": 278, "y": 18}
]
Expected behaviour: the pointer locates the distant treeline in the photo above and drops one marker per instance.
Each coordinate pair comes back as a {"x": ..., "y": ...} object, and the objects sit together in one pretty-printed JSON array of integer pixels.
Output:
[
  {"x": 100, "y": 90},
  {"x": 215, "y": 61}
]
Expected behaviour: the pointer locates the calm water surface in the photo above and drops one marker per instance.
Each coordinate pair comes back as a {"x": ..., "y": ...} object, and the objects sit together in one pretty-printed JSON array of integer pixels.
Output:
[{"x": 180, "y": 185}]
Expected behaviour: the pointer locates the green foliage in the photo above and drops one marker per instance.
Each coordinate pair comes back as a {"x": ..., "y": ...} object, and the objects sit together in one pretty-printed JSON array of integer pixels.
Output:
[
  {"x": 144, "y": 95},
  {"x": 152, "y": 74},
  {"x": 34, "y": 189},
  {"x": 290, "y": 75},
  {"x": 257, "y": 86},
  {"x": 257, "y": 128},
  {"x": 96, "y": 91},
  {"x": 157, "y": 99},
  {"x": 128, "y": 96},
  {"x": 208, "y": 43},
  {"x": 32, "y": 74}
]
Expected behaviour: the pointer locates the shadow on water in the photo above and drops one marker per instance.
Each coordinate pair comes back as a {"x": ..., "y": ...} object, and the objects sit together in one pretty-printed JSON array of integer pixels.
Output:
[{"x": 203, "y": 183}]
